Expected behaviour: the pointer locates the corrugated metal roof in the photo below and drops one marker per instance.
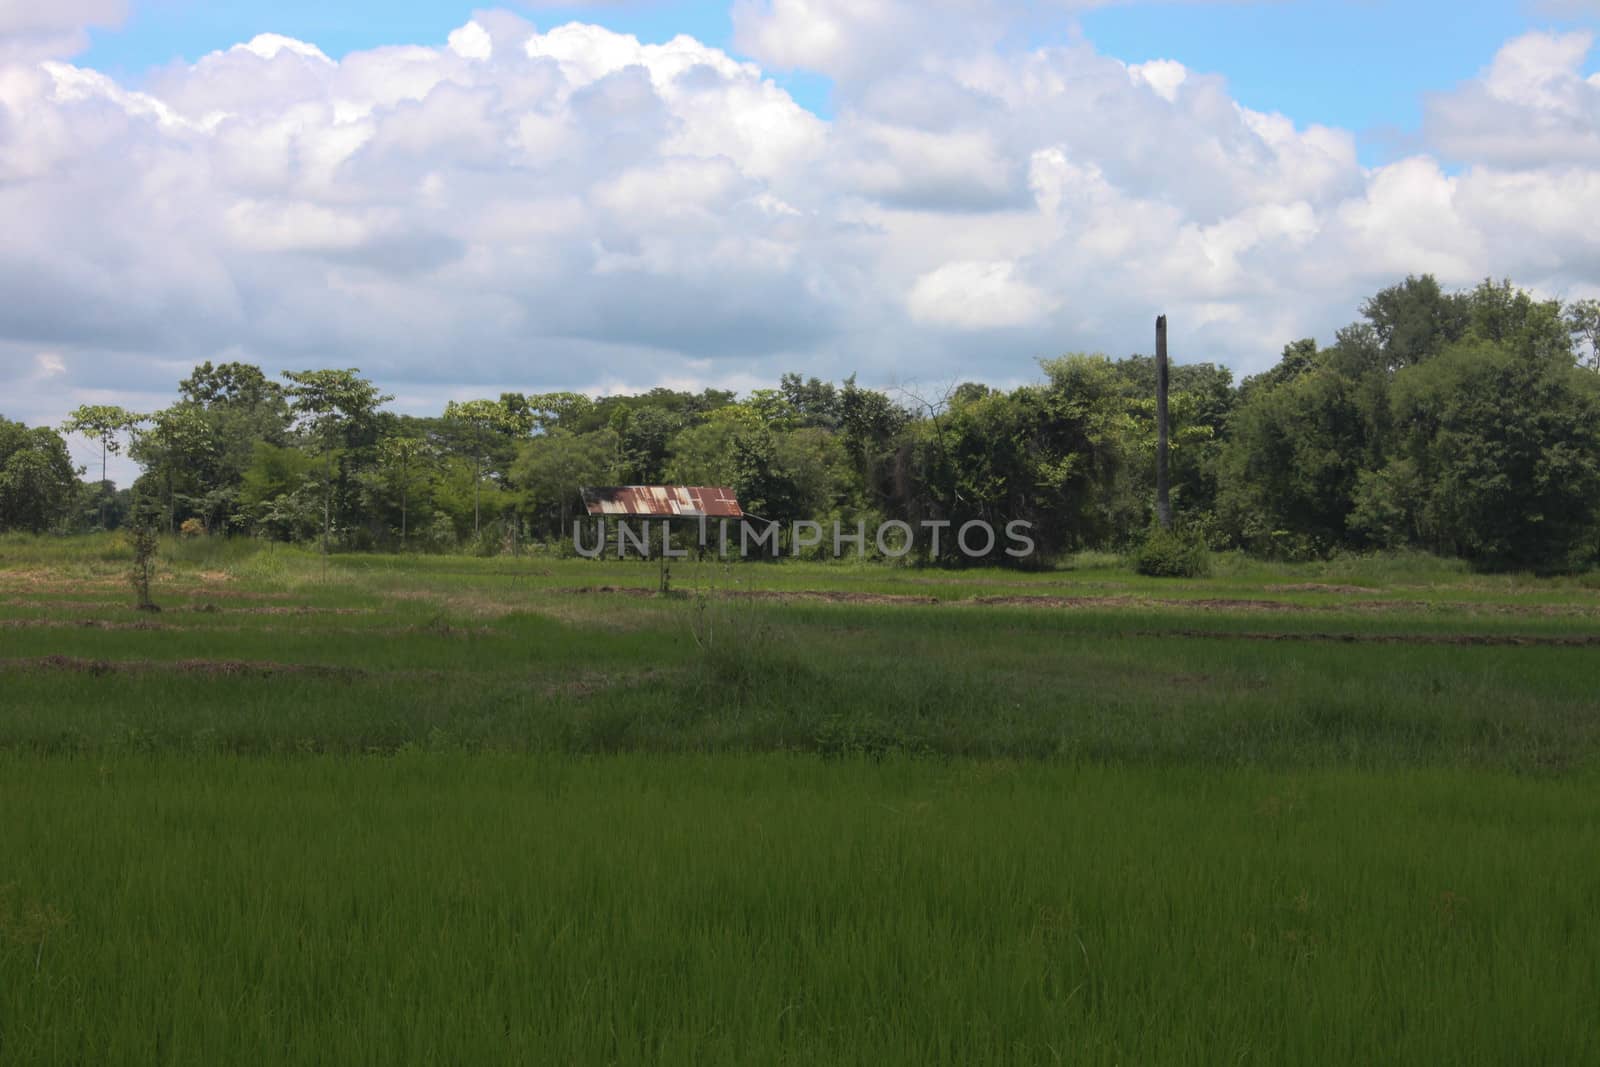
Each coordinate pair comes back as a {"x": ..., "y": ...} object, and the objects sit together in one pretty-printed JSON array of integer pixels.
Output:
[{"x": 663, "y": 501}]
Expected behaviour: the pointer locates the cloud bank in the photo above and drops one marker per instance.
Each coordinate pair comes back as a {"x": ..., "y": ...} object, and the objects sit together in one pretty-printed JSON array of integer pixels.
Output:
[{"x": 535, "y": 208}]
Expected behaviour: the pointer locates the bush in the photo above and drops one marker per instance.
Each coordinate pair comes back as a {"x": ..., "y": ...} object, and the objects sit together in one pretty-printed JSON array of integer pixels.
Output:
[
  {"x": 487, "y": 542},
  {"x": 439, "y": 535},
  {"x": 192, "y": 528},
  {"x": 144, "y": 539},
  {"x": 1166, "y": 554}
]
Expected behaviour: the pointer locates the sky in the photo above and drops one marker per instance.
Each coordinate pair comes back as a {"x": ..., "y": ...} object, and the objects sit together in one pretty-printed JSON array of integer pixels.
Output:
[{"x": 609, "y": 196}]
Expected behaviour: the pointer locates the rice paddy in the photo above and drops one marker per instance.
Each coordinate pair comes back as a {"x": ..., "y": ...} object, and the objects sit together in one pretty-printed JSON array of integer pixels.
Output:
[{"x": 436, "y": 809}]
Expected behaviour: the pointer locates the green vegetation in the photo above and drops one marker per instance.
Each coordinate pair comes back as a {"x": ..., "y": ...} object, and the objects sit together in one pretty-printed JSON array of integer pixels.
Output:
[
  {"x": 735, "y": 910},
  {"x": 1379, "y": 664},
  {"x": 1463, "y": 424},
  {"x": 388, "y": 809},
  {"x": 37, "y": 480},
  {"x": 1169, "y": 554}
]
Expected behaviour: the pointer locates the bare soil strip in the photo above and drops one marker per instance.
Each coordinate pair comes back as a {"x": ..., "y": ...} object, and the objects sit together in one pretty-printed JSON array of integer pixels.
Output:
[
  {"x": 29, "y": 589},
  {"x": 1212, "y": 604},
  {"x": 296, "y": 609},
  {"x": 81, "y": 624},
  {"x": 46, "y": 604},
  {"x": 208, "y": 607},
  {"x": 1121, "y": 601},
  {"x": 1496, "y": 640},
  {"x": 569, "y": 687},
  {"x": 830, "y": 596},
  {"x": 210, "y": 668},
  {"x": 429, "y": 629},
  {"x": 1319, "y": 587}
]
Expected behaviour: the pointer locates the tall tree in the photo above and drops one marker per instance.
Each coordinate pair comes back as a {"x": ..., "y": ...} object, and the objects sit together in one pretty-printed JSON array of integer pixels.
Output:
[
  {"x": 177, "y": 449},
  {"x": 38, "y": 482},
  {"x": 240, "y": 387},
  {"x": 1583, "y": 323},
  {"x": 329, "y": 406},
  {"x": 554, "y": 466},
  {"x": 1290, "y": 468},
  {"x": 484, "y": 423},
  {"x": 1502, "y": 450},
  {"x": 104, "y": 424},
  {"x": 550, "y": 410},
  {"x": 1508, "y": 316},
  {"x": 1415, "y": 319},
  {"x": 816, "y": 401},
  {"x": 402, "y": 462}
]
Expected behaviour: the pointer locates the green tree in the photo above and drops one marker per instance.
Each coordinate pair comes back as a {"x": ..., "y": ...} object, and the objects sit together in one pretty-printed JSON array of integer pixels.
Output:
[
  {"x": 707, "y": 453},
  {"x": 1416, "y": 319},
  {"x": 1083, "y": 453},
  {"x": 484, "y": 424},
  {"x": 177, "y": 450},
  {"x": 279, "y": 492},
  {"x": 1508, "y": 316},
  {"x": 244, "y": 389},
  {"x": 1202, "y": 400},
  {"x": 404, "y": 465},
  {"x": 560, "y": 409},
  {"x": 1289, "y": 470},
  {"x": 334, "y": 409},
  {"x": 870, "y": 428},
  {"x": 244, "y": 408},
  {"x": 38, "y": 483},
  {"x": 1505, "y": 450},
  {"x": 553, "y": 466},
  {"x": 816, "y": 402},
  {"x": 104, "y": 424},
  {"x": 1583, "y": 324},
  {"x": 644, "y": 435}
]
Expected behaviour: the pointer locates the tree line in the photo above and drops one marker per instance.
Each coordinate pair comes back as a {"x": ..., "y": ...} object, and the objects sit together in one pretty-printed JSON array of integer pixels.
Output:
[{"x": 1462, "y": 423}]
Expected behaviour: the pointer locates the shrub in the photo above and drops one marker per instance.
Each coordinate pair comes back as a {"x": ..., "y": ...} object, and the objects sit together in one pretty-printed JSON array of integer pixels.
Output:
[
  {"x": 192, "y": 528},
  {"x": 144, "y": 540},
  {"x": 439, "y": 535},
  {"x": 487, "y": 542},
  {"x": 1166, "y": 554}
]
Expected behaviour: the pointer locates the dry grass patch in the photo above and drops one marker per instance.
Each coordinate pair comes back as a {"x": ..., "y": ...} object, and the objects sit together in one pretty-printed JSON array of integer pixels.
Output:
[{"x": 473, "y": 605}]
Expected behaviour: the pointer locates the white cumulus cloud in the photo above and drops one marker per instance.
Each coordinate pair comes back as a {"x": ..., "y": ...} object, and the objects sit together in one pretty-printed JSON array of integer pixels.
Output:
[
  {"x": 974, "y": 295},
  {"x": 1531, "y": 107},
  {"x": 567, "y": 207}
]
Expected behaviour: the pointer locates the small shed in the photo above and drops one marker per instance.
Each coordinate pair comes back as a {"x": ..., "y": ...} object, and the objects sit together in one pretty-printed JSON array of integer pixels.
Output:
[{"x": 662, "y": 501}]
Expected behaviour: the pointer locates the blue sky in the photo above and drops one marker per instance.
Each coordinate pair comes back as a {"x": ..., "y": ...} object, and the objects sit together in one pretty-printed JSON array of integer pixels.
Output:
[{"x": 1363, "y": 65}]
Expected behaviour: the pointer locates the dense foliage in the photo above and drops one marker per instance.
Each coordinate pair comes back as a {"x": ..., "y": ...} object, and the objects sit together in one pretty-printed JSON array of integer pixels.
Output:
[{"x": 1462, "y": 423}]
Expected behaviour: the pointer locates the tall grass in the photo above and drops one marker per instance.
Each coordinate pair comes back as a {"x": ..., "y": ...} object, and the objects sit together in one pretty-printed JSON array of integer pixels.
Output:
[
  {"x": 387, "y": 809},
  {"x": 770, "y": 910}
]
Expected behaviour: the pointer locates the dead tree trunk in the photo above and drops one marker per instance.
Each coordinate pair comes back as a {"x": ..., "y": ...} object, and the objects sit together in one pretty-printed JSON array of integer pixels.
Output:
[{"x": 1163, "y": 476}]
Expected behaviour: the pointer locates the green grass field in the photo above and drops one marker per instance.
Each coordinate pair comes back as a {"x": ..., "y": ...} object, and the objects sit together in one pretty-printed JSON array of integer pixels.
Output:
[{"x": 429, "y": 809}]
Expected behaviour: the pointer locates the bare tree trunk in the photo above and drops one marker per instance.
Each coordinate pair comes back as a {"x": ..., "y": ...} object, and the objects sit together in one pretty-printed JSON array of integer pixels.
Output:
[{"x": 1163, "y": 475}]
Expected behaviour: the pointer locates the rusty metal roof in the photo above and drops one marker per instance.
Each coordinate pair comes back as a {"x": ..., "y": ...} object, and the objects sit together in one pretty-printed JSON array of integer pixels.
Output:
[{"x": 664, "y": 501}]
